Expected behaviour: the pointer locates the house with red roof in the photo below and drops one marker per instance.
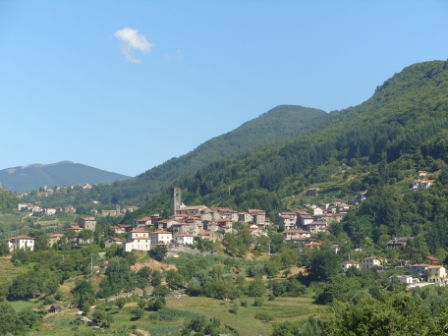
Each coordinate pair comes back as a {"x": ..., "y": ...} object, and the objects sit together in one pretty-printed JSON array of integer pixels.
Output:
[
  {"x": 137, "y": 240},
  {"x": 20, "y": 243},
  {"x": 161, "y": 237}
]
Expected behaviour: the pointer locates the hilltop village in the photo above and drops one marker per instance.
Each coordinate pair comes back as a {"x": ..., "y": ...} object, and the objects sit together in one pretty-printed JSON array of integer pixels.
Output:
[{"x": 306, "y": 228}]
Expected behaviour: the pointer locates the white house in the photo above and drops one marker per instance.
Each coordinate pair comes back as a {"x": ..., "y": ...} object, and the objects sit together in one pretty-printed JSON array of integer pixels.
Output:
[
  {"x": 50, "y": 211},
  {"x": 20, "y": 243},
  {"x": 161, "y": 237},
  {"x": 138, "y": 240},
  {"x": 370, "y": 262},
  {"x": 183, "y": 238},
  {"x": 345, "y": 265},
  {"x": 296, "y": 234}
]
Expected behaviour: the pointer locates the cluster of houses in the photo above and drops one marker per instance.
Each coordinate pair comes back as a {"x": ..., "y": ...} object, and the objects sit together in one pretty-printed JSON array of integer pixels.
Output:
[
  {"x": 419, "y": 274},
  {"x": 302, "y": 223}
]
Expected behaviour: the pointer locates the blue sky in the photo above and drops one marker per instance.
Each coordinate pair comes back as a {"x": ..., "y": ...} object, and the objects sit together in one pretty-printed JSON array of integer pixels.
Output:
[{"x": 126, "y": 85}]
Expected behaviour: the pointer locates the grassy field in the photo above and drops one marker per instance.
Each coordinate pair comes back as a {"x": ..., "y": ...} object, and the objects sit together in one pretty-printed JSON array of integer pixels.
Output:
[
  {"x": 170, "y": 320},
  {"x": 280, "y": 310}
]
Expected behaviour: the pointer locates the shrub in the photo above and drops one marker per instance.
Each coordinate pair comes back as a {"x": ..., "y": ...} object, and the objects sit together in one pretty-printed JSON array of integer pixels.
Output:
[{"x": 263, "y": 317}]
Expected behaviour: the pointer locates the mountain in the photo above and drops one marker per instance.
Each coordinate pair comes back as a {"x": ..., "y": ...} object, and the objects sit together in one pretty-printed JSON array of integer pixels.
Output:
[
  {"x": 65, "y": 173},
  {"x": 401, "y": 129}
]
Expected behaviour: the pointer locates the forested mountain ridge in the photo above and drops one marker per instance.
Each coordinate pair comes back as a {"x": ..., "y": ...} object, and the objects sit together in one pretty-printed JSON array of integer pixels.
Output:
[
  {"x": 383, "y": 141},
  {"x": 273, "y": 127},
  {"x": 65, "y": 173}
]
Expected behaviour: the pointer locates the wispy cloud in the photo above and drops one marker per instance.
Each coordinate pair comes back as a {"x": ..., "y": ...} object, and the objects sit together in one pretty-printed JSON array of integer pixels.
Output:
[
  {"x": 178, "y": 55},
  {"x": 130, "y": 39}
]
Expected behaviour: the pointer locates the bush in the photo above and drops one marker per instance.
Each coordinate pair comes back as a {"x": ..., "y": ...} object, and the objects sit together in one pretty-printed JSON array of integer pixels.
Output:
[
  {"x": 264, "y": 317},
  {"x": 258, "y": 302}
]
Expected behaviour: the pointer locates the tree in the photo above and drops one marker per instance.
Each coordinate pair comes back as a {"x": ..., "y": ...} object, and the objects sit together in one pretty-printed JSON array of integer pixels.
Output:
[
  {"x": 142, "y": 277},
  {"x": 322, "y": 266},
  {"x": 120, "y": 302},
  {"x": 173, "y": 279},
  {"x": 257, "y": 288},
  {"x": 4, "y": 249},
  {"x": 102, "y": 318},
  {"x": 83, "y": 293},
  {"x": 158, "y": 252},
  {"x": 156, "y": 278},
  {"x": 118, "y": 277}
]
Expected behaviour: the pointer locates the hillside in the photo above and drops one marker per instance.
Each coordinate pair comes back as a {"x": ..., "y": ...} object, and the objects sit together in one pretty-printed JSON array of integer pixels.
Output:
[
  {"x": 65, "y": 173},
  {"x": 273, "y": 127},
  {"x": 399, "y": 130}
]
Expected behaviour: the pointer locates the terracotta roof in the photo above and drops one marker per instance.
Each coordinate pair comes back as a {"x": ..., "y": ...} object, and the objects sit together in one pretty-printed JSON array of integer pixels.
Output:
[
  {"x": 21, "y": 237},
  {"x": 138, "y": 231},
  {"x": 160, "y": 232},
  {"x": 56, "y": 235},
  {"x": 74, "y": 227},
  {"x": 435, "y": 266},
  {"x": 144, "y": 219}
]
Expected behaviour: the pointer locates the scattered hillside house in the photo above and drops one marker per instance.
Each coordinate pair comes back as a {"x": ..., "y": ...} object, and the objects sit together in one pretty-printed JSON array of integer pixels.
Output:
[
  {"x": 184, "y": 238},
  {"x": 419, "y": 269},
  {"x": 50, "y": 211},
  {"x": 24, "y": 206},
  {"x": 143, "y": 222},
  {"x": 345, "y": 265},
  {"x": 161, "y": 237},
  {"x": 432, "y": 260},
  {"x": 225, "y": 213},
  {"x": 192, "y": 210},
  {"x": 137, "y": 240},
  {"x": 87, "y": 223},
  {"x": 36, "y": 209},
  {"x": 296, "y": 235},
  {"x": 256, "y": 232},
  {"x": 288, "y": 219},
  {"x": 20, "y": 243},
  {"x": 312, "y": 192},
  {"x": 130, "y": 208},
  {"x": 305, "y": 219},
  {"x": 224, "y": 223},
  {"x": 126, "y": 227},
  {"x": 422, "y": 173},
  {"x": 54, "y": 238},
  {"x": 435, "y": 273},
  {"x": 112, "y": 240},
  {"x": 316, "y": 226},
  {"x": 259, "y": 216},
  {"x": 164, "y": 224},
  {"x": 75, "y": 228},
  {"x": 370, "y": 262},
  {"x": 398, "y": 242},
  {"x": 313, "y": 245},
  {"x": 118, "y": 229},
  {"x": 335, "y": 248},
  {"x": 245, "y": 217},
  {"x": 422, "y": 184},
  {"x": 69, "y": 209},
  {"x": 55, "y": 309},
  {"x": 317, "y": 211},
  {"x": 404, "y": 279},
  {"x": 111, "y": 213}
]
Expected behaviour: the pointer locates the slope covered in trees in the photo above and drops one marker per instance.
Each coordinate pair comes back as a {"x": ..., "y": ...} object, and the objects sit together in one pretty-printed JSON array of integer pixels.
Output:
[{"x": 379, "y": 144}]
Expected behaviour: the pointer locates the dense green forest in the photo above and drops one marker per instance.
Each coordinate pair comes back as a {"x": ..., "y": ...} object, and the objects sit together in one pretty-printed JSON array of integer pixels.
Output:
[{"x": 8, "y": 201}]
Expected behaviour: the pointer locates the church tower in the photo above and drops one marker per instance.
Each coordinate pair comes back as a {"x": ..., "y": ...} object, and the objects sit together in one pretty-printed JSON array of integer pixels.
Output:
[{"x": 175, "y": 200}]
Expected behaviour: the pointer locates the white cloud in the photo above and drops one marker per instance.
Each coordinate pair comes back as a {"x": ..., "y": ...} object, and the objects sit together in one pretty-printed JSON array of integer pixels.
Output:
[{"x": 130, "y": 39}]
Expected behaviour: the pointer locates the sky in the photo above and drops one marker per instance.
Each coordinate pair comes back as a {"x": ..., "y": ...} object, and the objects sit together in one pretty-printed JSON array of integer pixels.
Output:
[{"x": 124, "y": 86}]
